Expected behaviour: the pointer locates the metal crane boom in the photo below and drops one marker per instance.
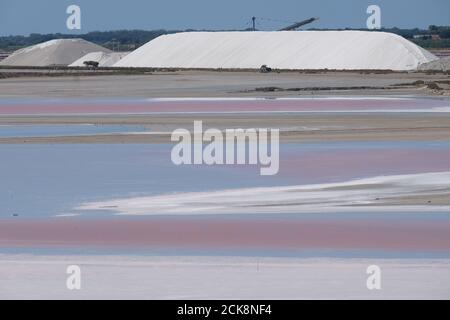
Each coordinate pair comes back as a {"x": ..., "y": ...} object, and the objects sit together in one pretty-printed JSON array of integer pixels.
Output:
[{"x": 298, "y": 24}]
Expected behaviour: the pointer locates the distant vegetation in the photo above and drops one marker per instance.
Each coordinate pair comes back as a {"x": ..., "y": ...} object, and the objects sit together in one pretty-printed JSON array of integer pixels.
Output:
[
  {"x": 127, "y": 40},
  {"x": 434, "y": 37},
  {"x": 442, "y": 33},
  {"x": 433, "y": 44},
  {"x": 121, "y": 40}
]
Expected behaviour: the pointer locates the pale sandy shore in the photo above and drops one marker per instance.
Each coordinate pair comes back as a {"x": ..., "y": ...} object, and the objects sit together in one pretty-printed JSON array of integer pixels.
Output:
[
  {"x": 395, "y": 193},
  {"x": 219, "y": 84},
  {"x": 294, "y": 127},
  {"x": 303, "y": 126},
  {"x": 128, "y": 277}
]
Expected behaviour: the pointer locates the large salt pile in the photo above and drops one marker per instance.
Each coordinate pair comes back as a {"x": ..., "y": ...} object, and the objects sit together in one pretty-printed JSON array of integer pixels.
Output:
[
  {"x": 337, "y": 50},
  {"x": 104, "y": 59},
  {"x": 61, "y": 52}
]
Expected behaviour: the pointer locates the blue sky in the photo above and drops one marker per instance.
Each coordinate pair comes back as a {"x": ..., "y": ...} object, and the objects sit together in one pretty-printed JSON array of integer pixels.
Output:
[{"x": 21, "y": 17}]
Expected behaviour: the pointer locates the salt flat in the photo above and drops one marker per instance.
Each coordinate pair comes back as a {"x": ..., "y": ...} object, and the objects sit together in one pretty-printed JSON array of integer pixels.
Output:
[
  {"x": 185, "y": 84},
  {"x": 120, "y": 277},
  {"x": 369, "y": 194}
]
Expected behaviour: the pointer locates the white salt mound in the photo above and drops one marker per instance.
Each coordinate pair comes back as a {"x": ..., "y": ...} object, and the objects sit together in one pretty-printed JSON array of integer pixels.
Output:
[
  {"x": 61, "y": 52},
  {"x": 337, "y": 50},
  {"x": 104, "y": 59}
]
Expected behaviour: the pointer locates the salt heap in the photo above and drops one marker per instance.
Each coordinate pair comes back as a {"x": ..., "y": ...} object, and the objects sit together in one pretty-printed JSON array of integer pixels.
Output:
[
  {"x": 104, "y": 59},
  {"x": 338, "y": 50},
  {"x": 61, "y": 52}
]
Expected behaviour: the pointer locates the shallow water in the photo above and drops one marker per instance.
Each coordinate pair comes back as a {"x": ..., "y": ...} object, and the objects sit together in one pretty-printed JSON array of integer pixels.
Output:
[
  {"x": 10, "y": 131},
  {"x": 42, "y": 185},
  {"x": 46, "y": 180}
]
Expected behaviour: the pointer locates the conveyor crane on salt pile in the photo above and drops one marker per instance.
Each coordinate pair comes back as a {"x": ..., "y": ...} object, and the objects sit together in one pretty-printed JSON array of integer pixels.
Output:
[{"x": 298, "y": 24}]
